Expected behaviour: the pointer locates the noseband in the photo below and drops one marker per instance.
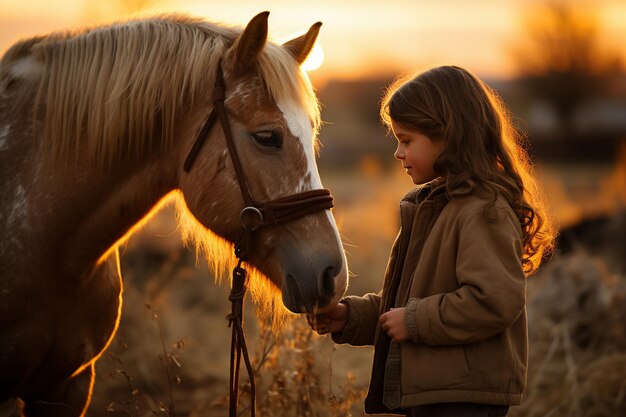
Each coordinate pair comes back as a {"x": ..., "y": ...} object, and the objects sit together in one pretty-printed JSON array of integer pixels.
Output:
[{"x": 254, "y": 216}]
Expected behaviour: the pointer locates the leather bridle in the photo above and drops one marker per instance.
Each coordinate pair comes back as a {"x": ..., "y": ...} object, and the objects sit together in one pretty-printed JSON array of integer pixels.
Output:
[{"x": 255, "y": 215}]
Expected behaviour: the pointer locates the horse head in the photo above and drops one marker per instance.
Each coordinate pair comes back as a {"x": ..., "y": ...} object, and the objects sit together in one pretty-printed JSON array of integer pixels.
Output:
[{"x": 274, "y": 116}]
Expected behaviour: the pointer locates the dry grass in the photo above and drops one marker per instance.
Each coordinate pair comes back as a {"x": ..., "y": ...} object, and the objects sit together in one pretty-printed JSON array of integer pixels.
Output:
[
  {"x": 578, "y": 339},
  {"x": 298, "y": 372},
  {"x": 293, "y": 372},
  {"x": 577, "y": 311}
]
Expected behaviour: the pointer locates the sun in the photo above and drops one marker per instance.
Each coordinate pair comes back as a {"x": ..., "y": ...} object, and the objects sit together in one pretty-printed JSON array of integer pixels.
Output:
[{"x": 315, "y": 58}]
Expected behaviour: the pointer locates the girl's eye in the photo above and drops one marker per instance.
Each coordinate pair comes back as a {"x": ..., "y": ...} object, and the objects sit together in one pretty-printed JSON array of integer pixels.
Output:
[{"x": 269, "y": 138}]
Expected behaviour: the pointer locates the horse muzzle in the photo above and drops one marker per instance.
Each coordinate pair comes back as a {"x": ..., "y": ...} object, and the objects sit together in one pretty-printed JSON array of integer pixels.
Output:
[{"x": 309, "y": 290}]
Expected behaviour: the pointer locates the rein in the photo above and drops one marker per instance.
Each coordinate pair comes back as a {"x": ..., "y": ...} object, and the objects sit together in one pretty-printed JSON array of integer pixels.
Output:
[{"x": 254, "y": 216}]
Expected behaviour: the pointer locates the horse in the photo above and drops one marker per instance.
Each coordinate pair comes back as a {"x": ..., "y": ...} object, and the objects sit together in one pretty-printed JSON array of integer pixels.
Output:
[{"x": 95, "y": 126}]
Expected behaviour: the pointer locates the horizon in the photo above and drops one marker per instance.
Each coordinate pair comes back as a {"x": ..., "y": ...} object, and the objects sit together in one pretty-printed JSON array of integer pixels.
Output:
[{"x": 479, "y": 36}]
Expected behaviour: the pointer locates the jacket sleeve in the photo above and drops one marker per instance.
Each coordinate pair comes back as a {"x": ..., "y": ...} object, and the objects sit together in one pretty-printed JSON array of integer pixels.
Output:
[
  {"x": 364, "y": 312},
  {"x": 492, "y": 286},
  {"x": 363, "y": 315}
]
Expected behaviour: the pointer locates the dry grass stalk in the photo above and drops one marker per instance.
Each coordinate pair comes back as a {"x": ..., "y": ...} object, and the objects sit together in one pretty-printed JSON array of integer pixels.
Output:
[{"x": 577, "y": 340}]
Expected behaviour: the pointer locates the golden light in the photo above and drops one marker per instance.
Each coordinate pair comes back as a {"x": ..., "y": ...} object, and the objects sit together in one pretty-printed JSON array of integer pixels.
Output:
[{"x": 315, "y": 58}]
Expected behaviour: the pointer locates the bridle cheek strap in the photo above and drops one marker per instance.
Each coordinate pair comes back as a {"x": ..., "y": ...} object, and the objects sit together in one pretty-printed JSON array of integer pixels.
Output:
[
  {"x": 253, "y": 216},
  {"x": 272, "y": 212}
]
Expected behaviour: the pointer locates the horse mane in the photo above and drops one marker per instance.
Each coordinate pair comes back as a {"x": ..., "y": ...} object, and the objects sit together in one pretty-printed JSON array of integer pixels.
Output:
[
  {"x": 221, "y": 259},
  {"x": 120, "y": 89}
]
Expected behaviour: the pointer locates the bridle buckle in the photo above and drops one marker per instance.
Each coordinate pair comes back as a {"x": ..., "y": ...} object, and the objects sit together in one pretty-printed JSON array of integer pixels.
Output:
[{"x": 251, "y": 218}]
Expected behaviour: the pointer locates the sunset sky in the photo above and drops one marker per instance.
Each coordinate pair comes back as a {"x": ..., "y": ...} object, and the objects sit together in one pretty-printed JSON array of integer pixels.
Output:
[{"x": 359, "y": 37}]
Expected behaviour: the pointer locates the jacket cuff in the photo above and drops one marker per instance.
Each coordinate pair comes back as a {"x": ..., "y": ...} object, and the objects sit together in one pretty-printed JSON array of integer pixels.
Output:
[
  {"x": 410, "y": 321},
  {"x": 349, "y": 330}
]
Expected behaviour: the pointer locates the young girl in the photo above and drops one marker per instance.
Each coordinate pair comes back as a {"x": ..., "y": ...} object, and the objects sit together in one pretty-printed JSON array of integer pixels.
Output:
[{"x": 449, "y": 326}]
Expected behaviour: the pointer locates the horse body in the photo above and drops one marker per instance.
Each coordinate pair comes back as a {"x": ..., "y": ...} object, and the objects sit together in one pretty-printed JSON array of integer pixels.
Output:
[
  {"x": 59, "y": 302},
  {"x": 63, "y": 210}
]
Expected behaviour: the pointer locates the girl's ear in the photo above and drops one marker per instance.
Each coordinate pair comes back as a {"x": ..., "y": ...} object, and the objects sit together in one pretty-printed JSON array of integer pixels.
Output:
[
  {"x": 243, "y": 54},
  {"x": 301, "y": 46}
]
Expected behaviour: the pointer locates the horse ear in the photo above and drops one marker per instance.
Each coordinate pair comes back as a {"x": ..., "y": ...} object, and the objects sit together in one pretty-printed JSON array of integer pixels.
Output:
[
  {"x": 249, "y": 44},
  {"x": 300, "y": 47}
]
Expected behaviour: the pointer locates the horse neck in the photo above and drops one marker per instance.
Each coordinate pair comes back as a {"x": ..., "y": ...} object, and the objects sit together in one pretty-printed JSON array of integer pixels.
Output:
[{"x": 100, "y": 210}]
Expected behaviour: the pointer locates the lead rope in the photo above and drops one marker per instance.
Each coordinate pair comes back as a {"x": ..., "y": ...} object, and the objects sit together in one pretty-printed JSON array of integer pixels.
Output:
[
  {"x": 238, "y": 346},
  {"x": 253, "y": 216}
]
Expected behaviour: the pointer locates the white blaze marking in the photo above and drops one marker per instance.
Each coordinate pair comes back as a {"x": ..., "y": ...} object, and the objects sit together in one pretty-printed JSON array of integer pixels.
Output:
[{"x": 300, "y": 126}]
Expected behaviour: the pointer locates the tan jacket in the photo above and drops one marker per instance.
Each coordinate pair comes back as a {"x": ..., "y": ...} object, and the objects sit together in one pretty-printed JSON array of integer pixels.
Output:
[{"x": 458, "y": 271}]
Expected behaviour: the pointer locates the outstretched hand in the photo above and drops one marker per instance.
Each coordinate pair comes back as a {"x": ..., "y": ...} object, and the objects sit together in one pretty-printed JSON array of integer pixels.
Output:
[
  {"x": 393, "y": 322},
  {"x": 332, "y": 321}
]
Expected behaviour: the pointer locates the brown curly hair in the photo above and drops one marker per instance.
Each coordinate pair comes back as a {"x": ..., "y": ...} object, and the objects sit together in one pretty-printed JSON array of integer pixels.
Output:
[{"x": 483, "y": 151}]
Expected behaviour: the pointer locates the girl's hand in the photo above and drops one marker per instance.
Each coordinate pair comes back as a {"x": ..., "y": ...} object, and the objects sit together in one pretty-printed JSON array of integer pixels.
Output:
[
  {"x": 393, "y": 323},
  {"x": 332, "y": 321}
]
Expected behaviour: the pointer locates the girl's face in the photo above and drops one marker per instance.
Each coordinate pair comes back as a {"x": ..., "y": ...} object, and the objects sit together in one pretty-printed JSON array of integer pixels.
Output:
[{"x": 417, "y": 152}]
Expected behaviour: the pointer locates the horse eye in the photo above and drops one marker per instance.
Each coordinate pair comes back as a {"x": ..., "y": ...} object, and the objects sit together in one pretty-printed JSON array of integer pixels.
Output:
[{"x": 270, "y": 138}]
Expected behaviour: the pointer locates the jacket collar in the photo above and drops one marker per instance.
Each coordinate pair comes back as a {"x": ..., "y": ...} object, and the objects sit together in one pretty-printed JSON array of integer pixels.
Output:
[{"x": 435, "y": 189}]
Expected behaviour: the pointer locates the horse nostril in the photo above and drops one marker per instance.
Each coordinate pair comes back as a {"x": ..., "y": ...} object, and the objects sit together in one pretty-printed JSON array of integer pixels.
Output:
[
  {"x": 291, "y": 294},
  {"x": 326, "y": 285}
]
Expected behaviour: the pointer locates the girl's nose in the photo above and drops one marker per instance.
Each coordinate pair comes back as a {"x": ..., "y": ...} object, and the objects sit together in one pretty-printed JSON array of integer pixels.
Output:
[{"x": 398, "y": 154}]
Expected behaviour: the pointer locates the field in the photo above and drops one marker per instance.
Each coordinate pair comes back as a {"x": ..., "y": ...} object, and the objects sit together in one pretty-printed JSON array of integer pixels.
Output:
[{"x": 171, "y": 353}]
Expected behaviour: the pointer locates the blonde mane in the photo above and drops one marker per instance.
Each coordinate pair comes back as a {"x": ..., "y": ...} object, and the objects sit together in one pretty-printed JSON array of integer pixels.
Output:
[
  {"x": 120, "y": 89},
  {"x": 221, "y": 259}
]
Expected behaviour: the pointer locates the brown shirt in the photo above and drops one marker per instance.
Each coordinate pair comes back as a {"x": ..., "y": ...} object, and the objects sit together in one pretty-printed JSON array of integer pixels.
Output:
[{"x": 457, "y": 269}]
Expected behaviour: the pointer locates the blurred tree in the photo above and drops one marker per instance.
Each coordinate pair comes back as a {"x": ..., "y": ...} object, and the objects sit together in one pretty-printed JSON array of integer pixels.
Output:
[{"x": 562, "y": 59}]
